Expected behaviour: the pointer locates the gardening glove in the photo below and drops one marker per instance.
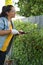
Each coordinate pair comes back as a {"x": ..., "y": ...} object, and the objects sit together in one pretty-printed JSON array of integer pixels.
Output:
[{"x": 14, "y": 31}]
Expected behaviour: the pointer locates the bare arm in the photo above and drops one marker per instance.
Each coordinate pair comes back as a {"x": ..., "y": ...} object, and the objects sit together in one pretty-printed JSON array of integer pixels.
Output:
[{"x": 4, "y": 32}]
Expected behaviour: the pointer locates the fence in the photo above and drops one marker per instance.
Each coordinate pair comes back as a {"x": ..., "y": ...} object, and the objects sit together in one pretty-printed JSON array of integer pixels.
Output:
[{"x": 34, "y": 19}]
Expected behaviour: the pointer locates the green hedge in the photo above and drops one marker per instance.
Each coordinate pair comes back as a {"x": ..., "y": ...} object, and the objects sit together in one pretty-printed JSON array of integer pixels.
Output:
[{"x": 28, "y": 48}]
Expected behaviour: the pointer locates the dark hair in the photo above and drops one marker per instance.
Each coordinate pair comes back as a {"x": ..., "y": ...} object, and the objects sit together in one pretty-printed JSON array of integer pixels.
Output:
[{"x": 5, "y": 9}]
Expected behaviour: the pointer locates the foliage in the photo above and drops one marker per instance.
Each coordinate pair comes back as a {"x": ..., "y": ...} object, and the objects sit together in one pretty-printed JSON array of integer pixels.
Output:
[
  {"x": 30, "y": 7},
  {"x": 28, "y": 48}
]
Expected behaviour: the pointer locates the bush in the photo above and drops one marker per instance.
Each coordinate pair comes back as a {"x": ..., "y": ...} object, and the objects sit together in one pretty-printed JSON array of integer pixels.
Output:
[{"x": 28, "y": 48}]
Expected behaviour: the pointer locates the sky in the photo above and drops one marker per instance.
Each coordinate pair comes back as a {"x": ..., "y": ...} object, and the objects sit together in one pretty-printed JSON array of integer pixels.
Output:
[
  {"x": 15, "y": 0},
  {"x": 16, "y": 6},
  {"x": 2, "y": 3}
]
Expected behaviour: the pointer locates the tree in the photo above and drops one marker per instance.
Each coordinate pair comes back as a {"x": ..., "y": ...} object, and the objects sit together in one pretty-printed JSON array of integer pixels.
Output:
[{"x": 30, "y": 7}]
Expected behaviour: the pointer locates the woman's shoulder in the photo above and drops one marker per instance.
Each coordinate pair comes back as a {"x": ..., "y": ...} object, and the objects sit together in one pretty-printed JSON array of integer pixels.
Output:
[{"x": 3, "y": 18}]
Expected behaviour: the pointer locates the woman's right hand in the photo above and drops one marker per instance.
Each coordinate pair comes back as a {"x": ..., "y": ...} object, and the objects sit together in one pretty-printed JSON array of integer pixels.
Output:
[{"x": 14, "y": 31}]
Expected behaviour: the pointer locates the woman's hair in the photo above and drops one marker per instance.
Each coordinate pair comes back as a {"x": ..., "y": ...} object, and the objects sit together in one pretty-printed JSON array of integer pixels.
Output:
[{"x": 5, "y": 9}]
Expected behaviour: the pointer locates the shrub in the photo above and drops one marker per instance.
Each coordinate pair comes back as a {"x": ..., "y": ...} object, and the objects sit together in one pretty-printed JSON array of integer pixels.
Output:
[{"x": 28, "y": 48}]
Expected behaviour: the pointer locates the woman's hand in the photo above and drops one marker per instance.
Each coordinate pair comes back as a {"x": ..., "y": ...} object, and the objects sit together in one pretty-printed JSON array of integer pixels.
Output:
[{"x": 14, "y": 31}]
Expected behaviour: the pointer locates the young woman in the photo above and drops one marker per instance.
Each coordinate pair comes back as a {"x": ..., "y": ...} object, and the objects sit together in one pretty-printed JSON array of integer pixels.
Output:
[{"x": 6, "y": 31}]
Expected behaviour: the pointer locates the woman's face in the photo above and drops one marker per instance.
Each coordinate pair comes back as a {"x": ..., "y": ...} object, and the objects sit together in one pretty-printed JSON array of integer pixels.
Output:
[{"x": 11, "y": 13}]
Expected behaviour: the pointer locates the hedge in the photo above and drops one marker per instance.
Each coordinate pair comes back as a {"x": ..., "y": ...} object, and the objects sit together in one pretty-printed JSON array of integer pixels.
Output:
[{"x": 28, "y": 48}]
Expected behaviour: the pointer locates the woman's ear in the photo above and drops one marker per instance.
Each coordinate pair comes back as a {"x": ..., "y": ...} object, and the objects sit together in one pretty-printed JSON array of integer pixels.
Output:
[{"x": 7, "y": 13}]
